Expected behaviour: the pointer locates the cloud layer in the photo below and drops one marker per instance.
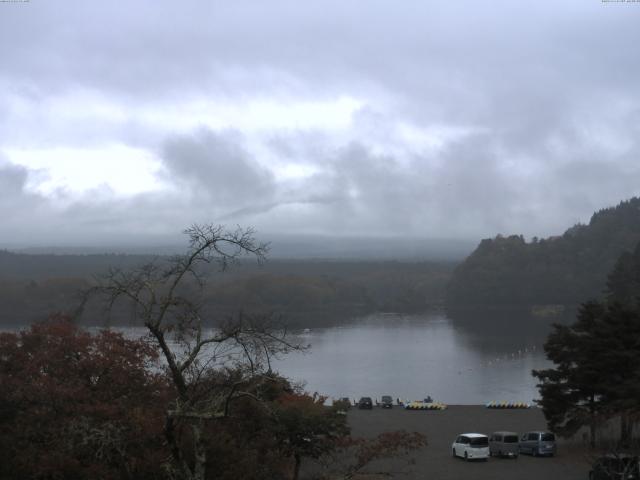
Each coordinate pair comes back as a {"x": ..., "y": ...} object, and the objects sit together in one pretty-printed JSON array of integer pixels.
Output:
[{"x": 429, "y": 119}]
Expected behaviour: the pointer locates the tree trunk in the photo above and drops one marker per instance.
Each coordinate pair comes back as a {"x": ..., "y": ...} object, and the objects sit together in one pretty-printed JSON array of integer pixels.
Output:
[
  {"x": 625, "y": 430},
  {"x": 199, "y": 451},
  {"x": 592, "y": 423},
  {"x": 181, "y": 464},
  {"x": 296, "y": 468}
]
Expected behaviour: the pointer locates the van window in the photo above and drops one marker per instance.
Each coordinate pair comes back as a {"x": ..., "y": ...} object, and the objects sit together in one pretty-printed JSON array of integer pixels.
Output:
[
  {"x": 532, "y": 436},
  {"x": 548, "y": 437},
  {"x": 510, "y": 439},
  {"x": 480, "y": 442}
]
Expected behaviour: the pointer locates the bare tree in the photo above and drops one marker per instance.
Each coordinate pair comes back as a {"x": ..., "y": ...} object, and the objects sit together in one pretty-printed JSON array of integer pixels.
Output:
[{"x": 166, "y": 296}]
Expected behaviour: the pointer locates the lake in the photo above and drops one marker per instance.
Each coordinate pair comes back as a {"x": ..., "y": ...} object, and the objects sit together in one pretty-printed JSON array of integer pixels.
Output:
[
  {"x": 466, "y": 361},
  {"x": 469, "y": 358}
]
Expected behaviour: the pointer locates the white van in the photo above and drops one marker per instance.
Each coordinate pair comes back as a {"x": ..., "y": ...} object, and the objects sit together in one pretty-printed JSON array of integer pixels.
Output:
[{"x": 471, "y": 446}]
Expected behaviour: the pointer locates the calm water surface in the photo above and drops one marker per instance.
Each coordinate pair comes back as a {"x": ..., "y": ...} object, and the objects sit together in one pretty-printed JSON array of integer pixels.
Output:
[
  {"x": 410, "y": 357},
  {"x": 469, "y": 360}
]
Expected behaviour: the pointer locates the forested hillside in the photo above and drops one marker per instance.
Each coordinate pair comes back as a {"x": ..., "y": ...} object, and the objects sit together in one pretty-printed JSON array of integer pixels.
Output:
[
  {"x": 562, "y": 270},
  {"x": 304, "y": 292}
]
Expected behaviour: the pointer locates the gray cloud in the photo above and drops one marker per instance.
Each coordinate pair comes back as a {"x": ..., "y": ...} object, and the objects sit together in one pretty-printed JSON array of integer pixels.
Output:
[
  {"x": 12, "y": 181},
  {"x": 22, "y": 212},
  {"x": 217, "y": 168},
  {"x": 538, "y": 104}
]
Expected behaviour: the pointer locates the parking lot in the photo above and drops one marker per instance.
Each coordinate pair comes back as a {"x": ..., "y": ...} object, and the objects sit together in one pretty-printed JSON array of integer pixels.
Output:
[{"x": 442, "y": 427}]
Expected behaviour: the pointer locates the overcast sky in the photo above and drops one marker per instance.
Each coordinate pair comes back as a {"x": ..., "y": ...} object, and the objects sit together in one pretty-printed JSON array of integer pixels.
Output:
[{"x": 462, "y": 119}]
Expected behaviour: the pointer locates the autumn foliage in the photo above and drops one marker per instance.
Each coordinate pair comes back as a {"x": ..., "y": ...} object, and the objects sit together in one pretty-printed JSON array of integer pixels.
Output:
[{"x": 75, "y": 405}]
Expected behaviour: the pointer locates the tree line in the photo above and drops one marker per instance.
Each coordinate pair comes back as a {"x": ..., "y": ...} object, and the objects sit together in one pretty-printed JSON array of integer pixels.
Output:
[
  {"x": 306, "y": 292},
  {"x": 562, "y": 270}
]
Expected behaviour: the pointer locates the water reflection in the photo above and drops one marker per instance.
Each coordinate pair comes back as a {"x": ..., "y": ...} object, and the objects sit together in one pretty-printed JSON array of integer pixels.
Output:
[
  {"x": 456, "y": 358},
  {"x": 452, "y": 360}
]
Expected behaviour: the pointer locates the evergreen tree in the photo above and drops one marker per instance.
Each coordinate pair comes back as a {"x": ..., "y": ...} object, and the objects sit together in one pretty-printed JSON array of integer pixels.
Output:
[
  {"x": 623, "y": 283},
  {"x": 572, "y": 392},
  {"x": 597, "y": 360}
]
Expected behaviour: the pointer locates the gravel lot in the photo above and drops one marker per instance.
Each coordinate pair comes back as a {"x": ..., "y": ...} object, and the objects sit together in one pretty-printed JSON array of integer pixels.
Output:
[{"x": 441, "y": 428}]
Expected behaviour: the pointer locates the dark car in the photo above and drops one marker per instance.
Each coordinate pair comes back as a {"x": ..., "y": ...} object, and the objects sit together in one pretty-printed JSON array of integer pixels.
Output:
[
  {"x": 615, "y": 467},
  {"x": 365, "y": 403},
  {"x": 538, "y": 444},
  {"x": 386, "y": 401}
]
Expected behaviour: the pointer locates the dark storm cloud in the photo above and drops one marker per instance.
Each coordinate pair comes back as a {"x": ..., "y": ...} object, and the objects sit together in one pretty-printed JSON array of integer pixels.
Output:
[
  {"x": 538, "y": 103},
  {"x": 216, "y": 166},
  {"x": 22, "y": 212}
]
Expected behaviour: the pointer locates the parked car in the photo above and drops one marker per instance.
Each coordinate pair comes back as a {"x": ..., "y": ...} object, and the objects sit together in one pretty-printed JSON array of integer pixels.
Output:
[
  {"x": 615, "y": 467},
  {"x": 365, "y": 403},
  {"x": 471, "y": 446},
  {"x": 503, "y": 444},
  {"x": 386, "y": 401},
  {"x": 538, "y": 443}
]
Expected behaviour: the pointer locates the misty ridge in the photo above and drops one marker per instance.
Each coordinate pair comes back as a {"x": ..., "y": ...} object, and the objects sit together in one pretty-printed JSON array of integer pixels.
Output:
[
  {"x": 326, "y": 281},
  {"x": 305, "y": 292},
  {"x": 562, "y": 270}
]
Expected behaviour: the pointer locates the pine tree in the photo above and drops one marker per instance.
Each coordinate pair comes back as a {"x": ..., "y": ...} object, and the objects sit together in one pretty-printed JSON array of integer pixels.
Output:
[
  {"x": 623, "y": 283},
  {"x": 597, "y": 363},
  {"x": 572, "y": 392}
]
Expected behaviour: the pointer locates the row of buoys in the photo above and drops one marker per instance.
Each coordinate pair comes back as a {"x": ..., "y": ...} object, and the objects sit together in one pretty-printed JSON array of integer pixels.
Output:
[
  {"x": 508, "y": 405},
  {"x": 512, "y": 356},
  {"x": 425, "y": 406}
]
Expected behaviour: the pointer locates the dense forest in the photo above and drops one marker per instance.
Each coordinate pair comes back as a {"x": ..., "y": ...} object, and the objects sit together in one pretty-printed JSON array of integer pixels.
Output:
[
  {"x": 302, "y": 291},
  {"x": 561, "y": 270},
  {"x": 506, "y": 271}
]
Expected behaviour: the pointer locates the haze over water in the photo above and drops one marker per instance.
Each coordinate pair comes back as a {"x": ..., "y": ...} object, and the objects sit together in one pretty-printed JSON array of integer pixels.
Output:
[
  {"x": 471, "y": 360},
  {"x": 410, "y": 357}
]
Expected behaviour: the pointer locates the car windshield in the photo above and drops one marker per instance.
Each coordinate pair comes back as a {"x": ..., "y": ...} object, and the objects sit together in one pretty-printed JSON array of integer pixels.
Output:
[
  {"x": 479, "y": 442},
  {"x": 548, "y": 437},
  {"x": 386, "y": 398},
  {"x": 510, "y": 439}
]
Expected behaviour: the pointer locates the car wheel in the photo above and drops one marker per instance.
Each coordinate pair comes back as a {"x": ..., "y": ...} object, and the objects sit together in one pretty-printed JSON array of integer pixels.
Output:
[
  {"x": 454, "y": 453},
  {"x": 499, "y": 453},
  {"x": 466, "y": 457},
  {"x": 535, "y": 452}
]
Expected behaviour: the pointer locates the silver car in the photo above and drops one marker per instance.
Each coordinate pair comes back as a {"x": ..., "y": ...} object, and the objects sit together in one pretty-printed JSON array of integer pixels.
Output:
[
  {"x": 504, "y": 444},
  {"x": 538, "y": 443}
]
